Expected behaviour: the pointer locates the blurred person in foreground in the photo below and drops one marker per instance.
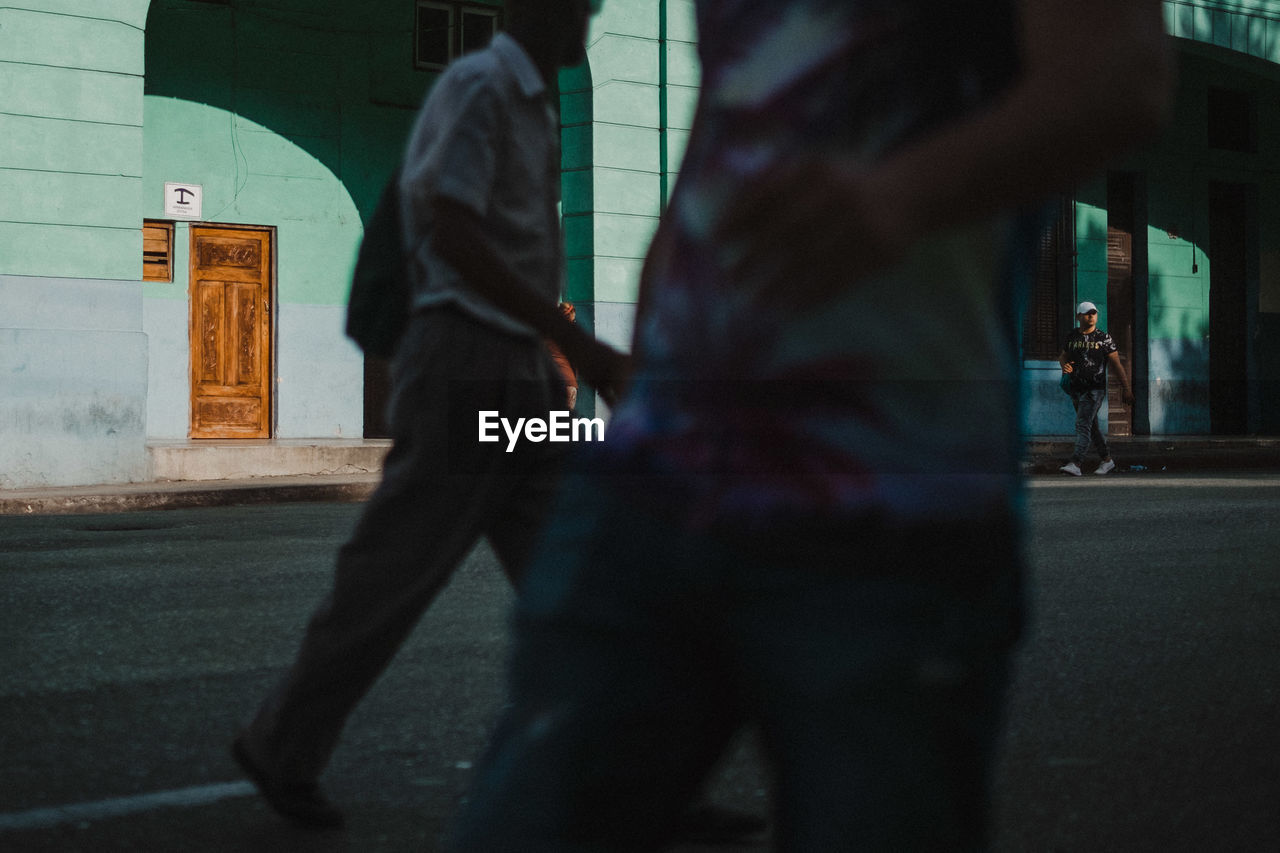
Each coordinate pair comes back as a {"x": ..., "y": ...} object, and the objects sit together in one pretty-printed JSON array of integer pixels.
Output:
[{"x": 805, "y": 514}]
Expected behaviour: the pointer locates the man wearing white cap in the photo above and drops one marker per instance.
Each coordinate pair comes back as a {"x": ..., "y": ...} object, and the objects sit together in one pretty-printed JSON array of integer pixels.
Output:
[{"x": 1084, "y": 359}]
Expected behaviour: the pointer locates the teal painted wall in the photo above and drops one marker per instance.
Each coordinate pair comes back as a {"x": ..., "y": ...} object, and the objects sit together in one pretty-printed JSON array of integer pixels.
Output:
[
  {"x": 1180, "y": 170},
  {"x": 73, "y": 358},
  {"x": 71, "y": 139},
  {"x": 644, "y": 72},
  {"x": 290, "y": 115},
  {"x": 577, "y": 182},
  {"x": 311, "y": 99},
  {"x": 307, "y": 102},
  {"x": 1250, "y": 27},
  {"x": 1233, "y": 45},
  {"x": 253, "y": 175},
  {"x": 625, "y": 123}
]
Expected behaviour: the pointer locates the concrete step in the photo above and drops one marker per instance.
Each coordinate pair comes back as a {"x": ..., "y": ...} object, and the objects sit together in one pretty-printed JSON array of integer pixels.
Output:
[{"x": 238, "y": 460}]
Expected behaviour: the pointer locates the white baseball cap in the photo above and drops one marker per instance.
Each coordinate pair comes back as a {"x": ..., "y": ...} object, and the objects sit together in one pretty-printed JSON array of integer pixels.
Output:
[{"x": 1086, "y": 307}]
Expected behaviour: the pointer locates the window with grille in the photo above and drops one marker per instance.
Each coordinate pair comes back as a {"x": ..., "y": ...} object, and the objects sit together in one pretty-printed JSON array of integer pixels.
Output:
[
  {"x": 444, "y": 31},
  {"x": 1041, "y": 336},
  {"x": 157, "y": 250}
]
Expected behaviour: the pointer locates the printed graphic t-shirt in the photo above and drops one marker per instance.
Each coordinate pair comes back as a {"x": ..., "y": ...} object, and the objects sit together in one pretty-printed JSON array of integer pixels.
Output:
[
  {"x": 1088, "y": 354},
  {"x": 897, "y": 397}
]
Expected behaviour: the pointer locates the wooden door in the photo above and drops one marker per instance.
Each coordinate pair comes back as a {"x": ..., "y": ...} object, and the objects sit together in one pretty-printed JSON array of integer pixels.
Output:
[
  {"x": 230, "y": 332},
  {"x": 1120, "y": 325},
  {"x": 1121, "y": 226}
]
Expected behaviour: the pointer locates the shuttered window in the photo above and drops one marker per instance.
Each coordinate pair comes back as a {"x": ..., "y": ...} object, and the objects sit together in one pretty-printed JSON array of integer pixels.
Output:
[
  {"x": 444, "y": 31},
  {"x": 157, "y": 251},
  {"x": 1041, "y": 336}
]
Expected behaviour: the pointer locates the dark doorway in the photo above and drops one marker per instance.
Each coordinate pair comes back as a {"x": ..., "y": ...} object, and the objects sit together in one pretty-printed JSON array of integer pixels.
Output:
[
  {"x": 377, "y": 390},
  {"x": 1228, "y": 277}
]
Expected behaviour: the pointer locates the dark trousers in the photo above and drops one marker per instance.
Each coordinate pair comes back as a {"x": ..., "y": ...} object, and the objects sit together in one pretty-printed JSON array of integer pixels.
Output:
[
  {"x": 441, "y": 491},
  {"x": 873, "y": 663},
  {"x": 1088, "y": 430}
]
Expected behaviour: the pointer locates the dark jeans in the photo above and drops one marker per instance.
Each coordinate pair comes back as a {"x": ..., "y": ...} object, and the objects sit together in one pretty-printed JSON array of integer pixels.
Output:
[
  {"x": 873, "y": 663},
  {"x": 1088, "y": 404},
  {"x": 441, "y": 491}
]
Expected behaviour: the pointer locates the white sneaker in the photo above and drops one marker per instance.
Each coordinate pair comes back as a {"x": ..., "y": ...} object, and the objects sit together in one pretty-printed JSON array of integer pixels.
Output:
[
  {"x": 1106, "y": 467},
  {"x": 1071, "y": 468}
]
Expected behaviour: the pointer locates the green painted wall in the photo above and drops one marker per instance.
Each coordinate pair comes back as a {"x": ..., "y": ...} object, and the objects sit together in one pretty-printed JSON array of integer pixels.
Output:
[
  {"x": 1233, "y": 44},
  {"x": 644, "y": 74},
  {"x": 252, "y": 175},
  {"x": 577, "y": 182},
  {"x": 1178, "y": 170},
  {"x": 71, "y": 138},
  {"x": 290, "y": 114},
  {"x": 1091, "y": 246},
  {"x": 1250, "y": 27}
]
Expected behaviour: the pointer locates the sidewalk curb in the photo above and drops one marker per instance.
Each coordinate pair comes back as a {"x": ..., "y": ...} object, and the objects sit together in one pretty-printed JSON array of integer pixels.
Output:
[
  {"x": 1155, "y": 455},
  {"x": 186, "y": 494},
  {"x": 1043, "y": 456}
]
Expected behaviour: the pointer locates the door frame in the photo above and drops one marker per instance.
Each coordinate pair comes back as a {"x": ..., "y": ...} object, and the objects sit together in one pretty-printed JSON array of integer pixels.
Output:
[{"x": 271, "y": 361}]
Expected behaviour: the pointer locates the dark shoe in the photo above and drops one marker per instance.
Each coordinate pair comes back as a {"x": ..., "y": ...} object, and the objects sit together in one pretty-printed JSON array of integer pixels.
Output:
[
  {"x": 301, "y": 802},
  {"x": 705, "y": 823}
]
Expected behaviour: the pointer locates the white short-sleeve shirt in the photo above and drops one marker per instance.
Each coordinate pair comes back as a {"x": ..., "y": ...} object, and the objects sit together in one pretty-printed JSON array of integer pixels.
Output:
[{"x": 488, "y": 138}]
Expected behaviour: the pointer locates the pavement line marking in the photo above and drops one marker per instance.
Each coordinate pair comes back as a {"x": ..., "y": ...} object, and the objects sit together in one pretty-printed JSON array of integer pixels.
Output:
[{"x": 118, "y": 807}]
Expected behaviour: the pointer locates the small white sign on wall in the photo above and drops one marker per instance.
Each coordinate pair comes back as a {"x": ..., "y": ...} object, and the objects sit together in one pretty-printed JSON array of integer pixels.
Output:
[{"x": 186, "y": 200}]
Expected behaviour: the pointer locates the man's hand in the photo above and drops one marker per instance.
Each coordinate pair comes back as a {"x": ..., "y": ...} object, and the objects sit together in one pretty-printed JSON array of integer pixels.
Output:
[
  {"x": 598, "y": 364},
  {"x": 1127, "y": 396},
  {"x": 1068, "y": 368}
]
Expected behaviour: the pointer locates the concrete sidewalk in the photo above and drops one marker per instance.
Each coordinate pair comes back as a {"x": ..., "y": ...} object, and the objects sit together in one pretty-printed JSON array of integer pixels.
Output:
[
  {"x": 1160, "y": 454},
  {"x": 1044, "y": 454},
  {"x": 218, "y": 473}
]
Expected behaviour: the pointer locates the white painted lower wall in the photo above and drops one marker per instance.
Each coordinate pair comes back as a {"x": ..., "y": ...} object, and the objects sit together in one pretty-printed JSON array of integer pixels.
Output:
[
  {"x": 165, "y": 322},
  {"x": 319, "y": 374},
  {"x": 73, "y": 382},
  {"x": 614, "y": 323}
]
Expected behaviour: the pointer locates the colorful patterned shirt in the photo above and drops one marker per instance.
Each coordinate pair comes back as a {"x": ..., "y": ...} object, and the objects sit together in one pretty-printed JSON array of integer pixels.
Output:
[
  {"x": 898, "y": 396},
  {"x": 1088, "y": 355}
]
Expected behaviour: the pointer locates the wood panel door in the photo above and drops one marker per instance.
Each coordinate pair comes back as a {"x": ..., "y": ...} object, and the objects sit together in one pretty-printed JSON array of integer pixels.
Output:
[
  {"x": 1121, "y": 228},
  {"x": 230, "y": 332},
  {"x": 1120, "y": 325}
]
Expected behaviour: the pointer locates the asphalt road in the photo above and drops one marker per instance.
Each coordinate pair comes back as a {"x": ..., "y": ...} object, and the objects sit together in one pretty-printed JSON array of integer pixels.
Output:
[{"x": 1144, "y": 714}]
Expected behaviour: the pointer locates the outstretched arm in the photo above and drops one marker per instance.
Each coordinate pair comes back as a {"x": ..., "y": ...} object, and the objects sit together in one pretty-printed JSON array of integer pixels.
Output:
[
  {"x": 1096, "y": 80},
  {"x": 462, "y": 239}
]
